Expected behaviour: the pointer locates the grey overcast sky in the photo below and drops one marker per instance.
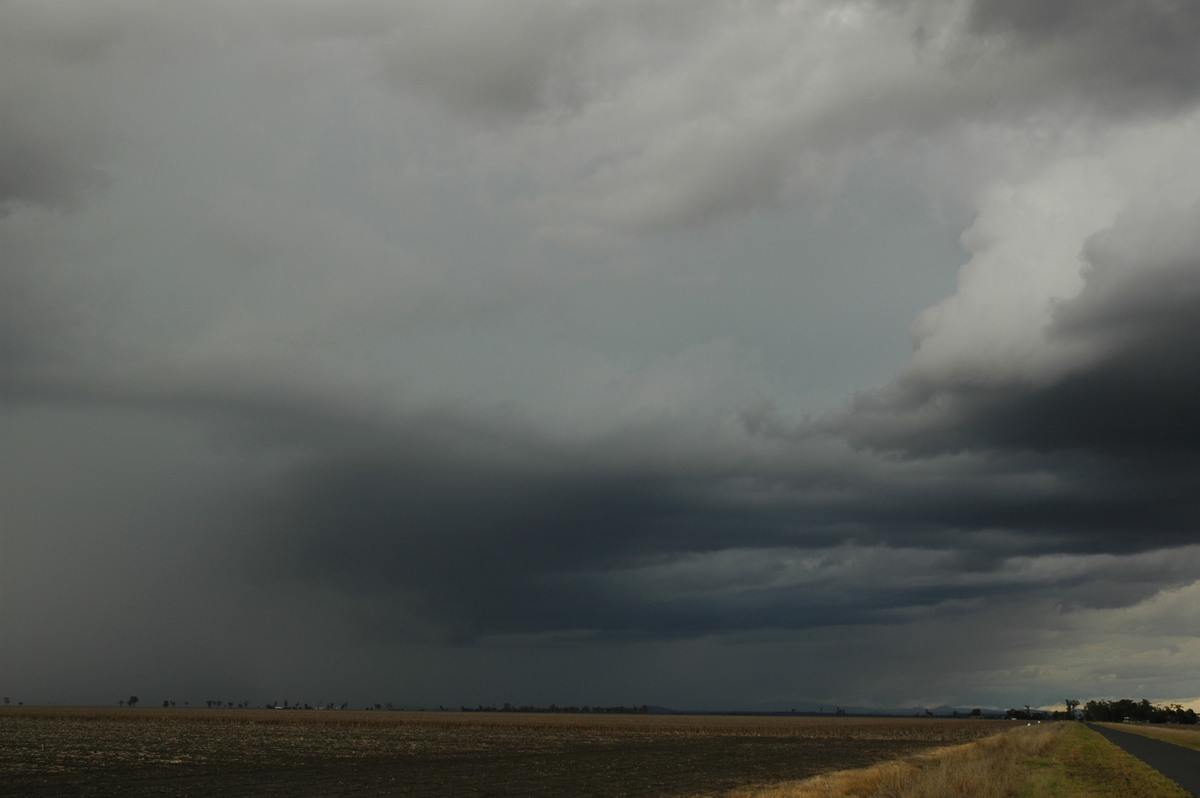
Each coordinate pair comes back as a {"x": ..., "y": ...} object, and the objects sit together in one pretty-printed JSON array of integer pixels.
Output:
[{"x": 700, "y": 353}]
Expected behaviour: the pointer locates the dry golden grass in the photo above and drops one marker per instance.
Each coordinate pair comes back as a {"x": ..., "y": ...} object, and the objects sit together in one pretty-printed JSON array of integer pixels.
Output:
[
  {"x": 988, "y": 768},
  {"x": 1056, "y": 760},
  {"x": 1086, "y": 765}
]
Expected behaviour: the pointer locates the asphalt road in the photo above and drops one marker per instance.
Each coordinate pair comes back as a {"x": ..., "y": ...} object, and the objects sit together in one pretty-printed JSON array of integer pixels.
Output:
[{"x": 1181, "y": 765}]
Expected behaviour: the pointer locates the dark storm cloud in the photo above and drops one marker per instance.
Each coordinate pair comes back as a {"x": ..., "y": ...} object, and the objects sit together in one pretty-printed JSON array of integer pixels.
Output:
[
  {"x": 260, "y": 371},
  {"x": 470, "y": 547},
  {"x": 456, "y": 531},
  {"x": 45, "y": 323},
  {"x": 503, "y": 63},
  {"x": 1124, "y": 54},
  {"x": 480, "y": 59},
  {"x": 52, "y": 132},
  {"x": 59, "y": 63},
  {"x": 41, "y": 166}
]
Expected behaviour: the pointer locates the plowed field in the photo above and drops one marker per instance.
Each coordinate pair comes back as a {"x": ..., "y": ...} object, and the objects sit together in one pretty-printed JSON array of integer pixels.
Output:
[{"x": 175, "y": 752}]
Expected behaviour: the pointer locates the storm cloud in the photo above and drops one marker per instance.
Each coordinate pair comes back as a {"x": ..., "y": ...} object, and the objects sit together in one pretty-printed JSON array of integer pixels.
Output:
[{"x": 702, "y": 354}]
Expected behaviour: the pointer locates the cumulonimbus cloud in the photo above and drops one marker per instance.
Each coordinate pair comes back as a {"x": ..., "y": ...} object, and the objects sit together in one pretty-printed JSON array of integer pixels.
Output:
[{"x": 325, "y": 278}]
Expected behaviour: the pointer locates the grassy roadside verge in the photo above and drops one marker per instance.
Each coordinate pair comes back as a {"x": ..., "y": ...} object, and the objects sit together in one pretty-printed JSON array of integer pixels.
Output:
[
  {"x": 1057, "y": 760},
  {"x": 1085, "y": 765}
]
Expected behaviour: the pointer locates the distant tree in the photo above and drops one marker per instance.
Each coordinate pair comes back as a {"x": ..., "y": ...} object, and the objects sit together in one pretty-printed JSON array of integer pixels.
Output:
[
  {"x": 5, "y": 700},
  {"x": 1071, "y": 703},
  {"x": 132, "y": 700},
  {"x": 976, "y": 713},
  {"x": 166, "y": 703}
]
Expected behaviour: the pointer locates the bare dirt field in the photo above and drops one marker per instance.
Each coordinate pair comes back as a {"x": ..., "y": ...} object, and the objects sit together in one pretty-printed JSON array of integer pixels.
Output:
[{"x": 142, "y": 752}]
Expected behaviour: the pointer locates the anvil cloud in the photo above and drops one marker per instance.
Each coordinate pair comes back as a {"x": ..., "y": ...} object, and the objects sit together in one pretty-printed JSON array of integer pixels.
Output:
[{"x": 706, "y": 354}]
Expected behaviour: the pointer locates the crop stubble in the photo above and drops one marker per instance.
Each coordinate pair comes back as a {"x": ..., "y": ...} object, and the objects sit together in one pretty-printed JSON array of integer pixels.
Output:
[{"x": 140, "y": 752}]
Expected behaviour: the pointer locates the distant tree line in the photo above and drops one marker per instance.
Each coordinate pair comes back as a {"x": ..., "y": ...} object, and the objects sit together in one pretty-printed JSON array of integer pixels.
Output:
[
  {"x": 1142, "y": 711},
  {"x": 215, "y": 704},
  {"x": 622, "y": 710},
  {"x": 1114, "y": 711},
  {"x": 1028, "y": 713},
  {"x": 298, "y": 705},
  {"x": 1104, "y": 711}
]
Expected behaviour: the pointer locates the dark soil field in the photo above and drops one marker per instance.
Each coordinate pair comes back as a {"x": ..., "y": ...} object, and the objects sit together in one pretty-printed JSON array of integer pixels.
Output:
[{"x": 142, "y": 752}]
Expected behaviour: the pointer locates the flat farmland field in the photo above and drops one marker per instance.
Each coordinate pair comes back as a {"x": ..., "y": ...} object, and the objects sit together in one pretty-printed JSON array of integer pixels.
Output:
[{"x": 58, "y": 751}]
